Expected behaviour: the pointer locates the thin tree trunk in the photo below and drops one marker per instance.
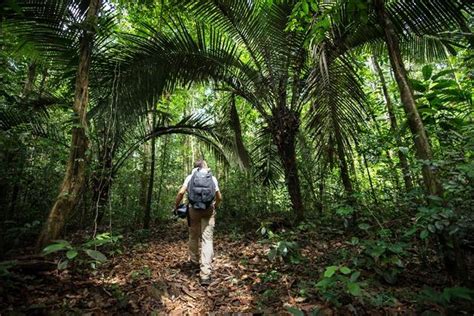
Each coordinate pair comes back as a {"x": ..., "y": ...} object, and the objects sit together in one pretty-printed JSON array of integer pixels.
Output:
[
  {"x": 422, "y": 145},
  {"x": 321, "y": 188},
  {"x": 374, "y": 195},
  {"x": 101, "y": 183},
  {"x": 164, "y": 163},
  {"x": 455, "y": 263},
  {"x": 285, "y": 128},
  {"x": 394, "y": 127},
  {"x": 43, "y": 82},
  {"x": 147, "y": 215},
  {"x": 30, "y": 80},
  {"x": 344, "y": 169},
  {"x": 143, "y": 182},
  {"x": 14, "y": 199},
  {"x": 74, "y": 178}
]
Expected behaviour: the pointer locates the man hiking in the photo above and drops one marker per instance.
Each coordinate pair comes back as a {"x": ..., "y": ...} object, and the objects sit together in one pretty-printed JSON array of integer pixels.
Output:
[{"x": 203, "y": 197}]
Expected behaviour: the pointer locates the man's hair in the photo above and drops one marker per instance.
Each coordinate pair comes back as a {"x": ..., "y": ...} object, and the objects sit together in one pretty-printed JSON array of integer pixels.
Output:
[{"x": 201, "y": 163}]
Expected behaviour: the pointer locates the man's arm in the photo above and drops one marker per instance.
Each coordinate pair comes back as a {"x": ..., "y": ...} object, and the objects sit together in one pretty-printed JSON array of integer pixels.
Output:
[
  {"x": 218, "y": 198},
  {"x": 180, "y": 196}
]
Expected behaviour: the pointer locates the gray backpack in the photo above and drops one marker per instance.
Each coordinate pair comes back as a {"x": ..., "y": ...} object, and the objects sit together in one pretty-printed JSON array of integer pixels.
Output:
[{"x": 201, "y": 190}]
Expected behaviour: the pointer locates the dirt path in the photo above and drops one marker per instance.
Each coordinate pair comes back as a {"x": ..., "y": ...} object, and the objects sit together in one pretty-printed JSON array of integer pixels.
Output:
[
  {"x": 153, "y": 277},
  {"x": 149, "y": 275}
]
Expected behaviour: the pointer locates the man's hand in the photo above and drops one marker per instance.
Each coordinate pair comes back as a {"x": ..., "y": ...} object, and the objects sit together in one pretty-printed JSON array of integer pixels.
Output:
[
  {"x": 180, "y": 196},
  {"x": 218, "y": 199}
]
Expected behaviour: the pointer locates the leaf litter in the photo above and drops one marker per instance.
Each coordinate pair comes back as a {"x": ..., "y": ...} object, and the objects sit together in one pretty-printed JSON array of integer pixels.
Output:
[{"x": 153, "y": 276}]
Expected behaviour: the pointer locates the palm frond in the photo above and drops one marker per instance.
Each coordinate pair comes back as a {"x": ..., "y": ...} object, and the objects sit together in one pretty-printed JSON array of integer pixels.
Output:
[
  {"x": 266, "y": 164},
  {"x": 337, "y": 106},
  {"x": 35, "y": 122}
]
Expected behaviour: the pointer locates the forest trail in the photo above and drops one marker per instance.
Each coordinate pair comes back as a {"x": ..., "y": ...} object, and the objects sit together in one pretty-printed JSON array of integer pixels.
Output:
[
  {"x": 152, "y": 275},
  {"x": 149, "y": 275}
]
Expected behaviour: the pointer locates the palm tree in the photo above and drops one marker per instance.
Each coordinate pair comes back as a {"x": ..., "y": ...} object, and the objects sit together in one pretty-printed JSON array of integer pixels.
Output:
[
  {"x": 422, "y": 30},
  {"x": 52, "y": 27},
  {"x": 74, "y": 178},
  {"x": 415, "y": 29},
  {"x": 249, "y": 52}
]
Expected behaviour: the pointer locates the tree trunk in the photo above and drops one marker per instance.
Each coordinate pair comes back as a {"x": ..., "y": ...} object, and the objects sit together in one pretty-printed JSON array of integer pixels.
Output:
[
  {"x": 164, "y": 163},
  {"x": 147, "y": 215},
  {"x": 374, "y": 195},
  {"x": 455, "y": 263},
  {"x": 344, "y": 169},
  {"x": 143, "y": 183},
  {"x": 285, "y": 125},
  {"x": 101, "y": 183},
  {"x": 422, "y": 145},
  {"x": 30, "y": 80},
  {"x": 394, "y": 128},
  {"x": 321, "y": 188},
  {"x": 74, "y": 178}
]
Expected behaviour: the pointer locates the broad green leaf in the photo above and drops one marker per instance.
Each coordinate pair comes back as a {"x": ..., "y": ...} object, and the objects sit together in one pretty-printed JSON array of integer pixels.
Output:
[
  {"x": 345, "y": 270},
  {"x": 96, "y": 255},
  {"x": 427, "y": 72},
  {"x": 294, "y": 311},
  {"x": 364, "y": 226},
  {"x": 354, "y": 241},
  {"x": 62, "y": 265},
  {"x": 424, "y": 234},
  {"x": 442, "y": 73},
  {"x": 305, "y": 7},
  {"x": 330, "y": 271},
  {"x": 459, "y": 292},
  {"x": 431, "y": 228},
  {"x": 354, "y": 289},
  {"x": 54, "y": 248},
  {"x": 355, "y": 276},
  {"x": 71, "y": 254},
  {"x": 403, "y": 150},
  {"x": 439, "y": 225},
  {"x": 418, "y": 85},
  {"x": 272, "y": 254}
]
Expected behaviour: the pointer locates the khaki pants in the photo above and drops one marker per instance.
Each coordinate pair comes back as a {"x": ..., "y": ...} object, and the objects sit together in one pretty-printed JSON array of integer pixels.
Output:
[{"x": 202, "y": 226}]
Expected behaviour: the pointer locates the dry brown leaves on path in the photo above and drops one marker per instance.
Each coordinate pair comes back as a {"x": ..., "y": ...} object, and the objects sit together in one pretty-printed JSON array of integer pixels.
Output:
[{"x": 155, "y": 277}]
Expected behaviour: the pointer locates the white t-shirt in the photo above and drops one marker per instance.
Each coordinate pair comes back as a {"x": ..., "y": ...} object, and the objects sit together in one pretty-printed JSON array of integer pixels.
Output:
[{"x": 188, "y": 178}]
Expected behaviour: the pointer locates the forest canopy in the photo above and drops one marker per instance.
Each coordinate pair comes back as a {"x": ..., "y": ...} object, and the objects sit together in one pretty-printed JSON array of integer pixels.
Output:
[{"x": 341, "y": 133}]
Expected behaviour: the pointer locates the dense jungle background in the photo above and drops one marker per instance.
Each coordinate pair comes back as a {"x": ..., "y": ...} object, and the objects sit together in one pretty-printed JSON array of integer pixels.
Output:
[{"x": 341, "y": 133}]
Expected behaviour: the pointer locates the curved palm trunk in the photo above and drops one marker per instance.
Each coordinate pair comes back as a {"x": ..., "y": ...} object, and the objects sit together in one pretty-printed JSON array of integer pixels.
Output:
[
  {"x": 422, "y": 145},
  {"x": 74, "y": 179},
  {"x": 285, "y": 125},
  {"x": 394, "y": 128}
]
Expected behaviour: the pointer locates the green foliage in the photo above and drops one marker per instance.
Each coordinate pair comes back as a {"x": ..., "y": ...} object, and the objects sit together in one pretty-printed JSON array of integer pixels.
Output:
[
  {"x": 280, "y": 248},
  {"x": 82, "y": 253},
  {"x": 143, "y": 274},
  {"x": 4, "y": 266},
  {"x": 436, "y": 220},
  {"x": 338, "y": 281},
  {"x": 385, "y": 258},
  {"x": 448, "y": 296}
]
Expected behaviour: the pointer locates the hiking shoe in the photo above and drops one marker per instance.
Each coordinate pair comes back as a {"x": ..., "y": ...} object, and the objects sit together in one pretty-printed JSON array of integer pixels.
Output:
[{"x": 205, "y": 282}]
